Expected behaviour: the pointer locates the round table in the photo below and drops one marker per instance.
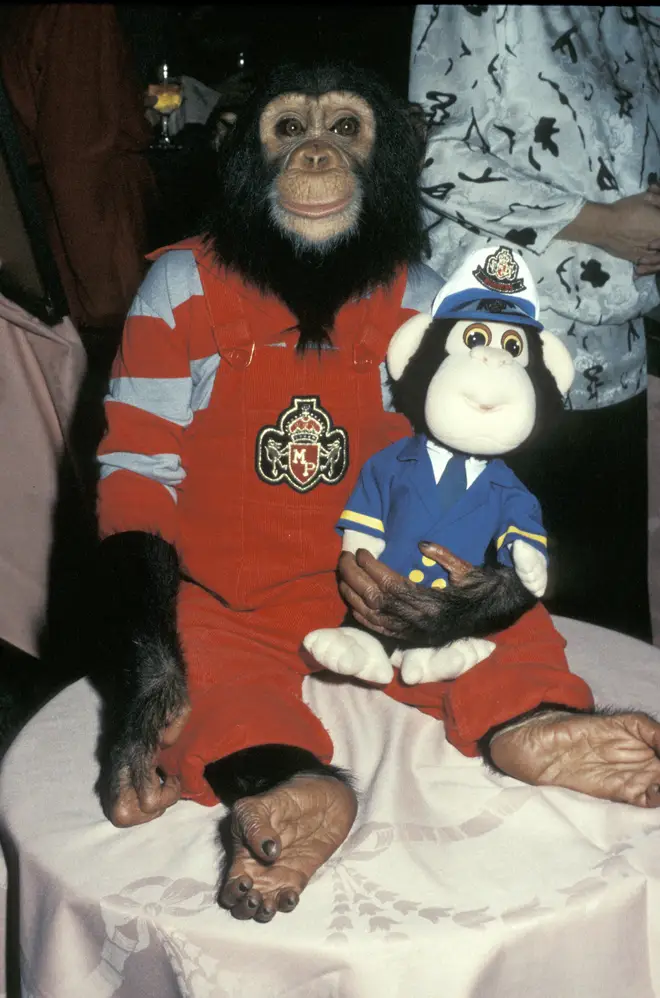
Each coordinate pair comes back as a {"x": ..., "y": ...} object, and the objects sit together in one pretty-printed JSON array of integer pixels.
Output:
[{"x": 454, "y": 881}]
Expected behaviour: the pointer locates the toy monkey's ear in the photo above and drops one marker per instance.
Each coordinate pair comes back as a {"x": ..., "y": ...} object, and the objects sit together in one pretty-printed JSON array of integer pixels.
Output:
[
  {"x": 558, "y": 361},
  {"x": 405, "y": 343}
]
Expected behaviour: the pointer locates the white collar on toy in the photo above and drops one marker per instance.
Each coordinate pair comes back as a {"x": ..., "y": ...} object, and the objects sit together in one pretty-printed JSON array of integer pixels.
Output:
[{"x": 440, "y": 459}]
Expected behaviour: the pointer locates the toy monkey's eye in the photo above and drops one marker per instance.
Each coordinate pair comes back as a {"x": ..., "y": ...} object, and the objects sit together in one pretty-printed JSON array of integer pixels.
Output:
[
  {"x": 512, "y": 342},
  {"x": 476, "y": 335},
  {"x": 289, "y": 127},
  {"x": 346, "y": 127}
]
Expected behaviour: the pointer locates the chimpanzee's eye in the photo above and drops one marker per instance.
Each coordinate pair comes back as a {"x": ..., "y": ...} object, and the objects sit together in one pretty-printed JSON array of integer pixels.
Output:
[
  {"x": 512, "y": 343},
  {"x": 476, "y": 335},
  {"x": 346, "y": 127},
  {"x": 290, "y": 127}
]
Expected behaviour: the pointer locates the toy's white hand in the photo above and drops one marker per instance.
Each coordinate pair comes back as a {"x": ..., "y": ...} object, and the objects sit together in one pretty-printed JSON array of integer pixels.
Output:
[
  {"x": 354, "y": 540},
  {"x": 531, "y": 567}
]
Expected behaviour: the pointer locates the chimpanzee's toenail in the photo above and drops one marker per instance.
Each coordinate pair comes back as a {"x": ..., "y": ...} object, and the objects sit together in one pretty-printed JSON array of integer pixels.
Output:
[{"x": 269, "y": 847}]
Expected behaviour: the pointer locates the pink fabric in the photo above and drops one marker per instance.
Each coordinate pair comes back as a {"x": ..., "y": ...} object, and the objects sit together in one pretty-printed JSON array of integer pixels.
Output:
[{"x": 41, "y": 369}]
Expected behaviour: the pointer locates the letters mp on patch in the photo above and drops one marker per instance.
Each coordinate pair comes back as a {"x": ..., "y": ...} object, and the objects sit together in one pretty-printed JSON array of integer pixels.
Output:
[{"x": 303, "y": 449}]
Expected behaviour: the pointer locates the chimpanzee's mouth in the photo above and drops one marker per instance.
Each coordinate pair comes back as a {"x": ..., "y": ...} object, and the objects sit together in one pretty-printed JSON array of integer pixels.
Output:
[{"x": 320, "y": 210}]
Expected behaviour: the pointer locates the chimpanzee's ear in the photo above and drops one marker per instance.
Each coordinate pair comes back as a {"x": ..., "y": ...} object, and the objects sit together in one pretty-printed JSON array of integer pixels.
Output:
[
  {"x": 558, "y": 361},
  {"x": 405, "y": 343}
]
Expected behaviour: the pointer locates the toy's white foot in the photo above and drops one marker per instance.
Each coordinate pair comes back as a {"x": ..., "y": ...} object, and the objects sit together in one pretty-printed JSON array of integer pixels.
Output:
[
  {"x": 430, "y": 665},
  {"x": 531, "y": 567},
  {"x": 350, "y": 652}
]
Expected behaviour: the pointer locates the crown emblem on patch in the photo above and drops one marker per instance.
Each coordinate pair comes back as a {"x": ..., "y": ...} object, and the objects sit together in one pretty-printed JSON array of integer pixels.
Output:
[
  {"x": 500, "y": 273},
  {"x": 303, "y": 449}
]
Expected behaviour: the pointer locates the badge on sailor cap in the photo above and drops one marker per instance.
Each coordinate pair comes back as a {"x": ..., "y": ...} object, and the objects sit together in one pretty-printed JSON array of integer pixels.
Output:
[{"x": 490, "y": 281}]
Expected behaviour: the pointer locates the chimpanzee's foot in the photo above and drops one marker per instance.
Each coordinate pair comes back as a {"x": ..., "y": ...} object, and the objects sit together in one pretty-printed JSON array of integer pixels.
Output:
[
  {"x": 280, "y": 838},
  {"x": 350, "y": 652},
  {"x": 612, "y": 756}
]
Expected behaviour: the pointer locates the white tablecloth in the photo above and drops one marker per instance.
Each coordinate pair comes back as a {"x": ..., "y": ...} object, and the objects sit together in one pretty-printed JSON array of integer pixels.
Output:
[{"x": 453, "y": 881}]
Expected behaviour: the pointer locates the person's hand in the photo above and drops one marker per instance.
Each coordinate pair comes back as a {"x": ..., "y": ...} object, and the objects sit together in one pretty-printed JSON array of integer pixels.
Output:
[
  {"x": 649, "y": 261},
  {"x": 150, "y": 101},
  {"x": 628, "y": 229}
]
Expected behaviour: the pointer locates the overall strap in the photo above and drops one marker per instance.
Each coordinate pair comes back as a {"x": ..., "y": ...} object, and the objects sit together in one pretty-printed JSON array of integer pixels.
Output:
[{"x": 384, "y": 315}]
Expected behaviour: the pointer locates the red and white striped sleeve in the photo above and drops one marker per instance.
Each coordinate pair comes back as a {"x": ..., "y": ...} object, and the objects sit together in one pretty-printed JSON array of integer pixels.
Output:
[{"x": 150, "y": 403}]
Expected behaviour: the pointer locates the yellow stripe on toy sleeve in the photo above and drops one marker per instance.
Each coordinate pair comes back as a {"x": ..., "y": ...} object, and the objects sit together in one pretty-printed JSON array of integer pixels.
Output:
[
  {"x": 523, "y": 533},
  {"x": 366, "y": 521}
]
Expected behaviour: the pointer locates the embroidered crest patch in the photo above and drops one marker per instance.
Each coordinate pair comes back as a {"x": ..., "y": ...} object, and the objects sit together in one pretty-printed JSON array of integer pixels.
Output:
[
  {"x": 500, "y": 273},
  {"x": 304, "y": 448}
]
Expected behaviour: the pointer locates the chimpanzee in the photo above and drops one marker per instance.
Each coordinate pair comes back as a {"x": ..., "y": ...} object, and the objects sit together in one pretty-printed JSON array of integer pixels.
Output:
[{"x": 247, "y": 392}]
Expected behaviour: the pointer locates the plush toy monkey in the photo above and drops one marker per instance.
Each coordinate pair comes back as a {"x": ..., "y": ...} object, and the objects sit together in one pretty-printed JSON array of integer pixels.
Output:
[{"x": 476, "y": 381}]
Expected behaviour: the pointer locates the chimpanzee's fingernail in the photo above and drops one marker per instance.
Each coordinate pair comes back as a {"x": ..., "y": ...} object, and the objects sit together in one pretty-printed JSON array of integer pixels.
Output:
[
  {"x": 243, "y": 888},
  {"x": 252, "y": 903},
  {"x": 425, "y": 544},
  {"x": 269, "y": 847}
]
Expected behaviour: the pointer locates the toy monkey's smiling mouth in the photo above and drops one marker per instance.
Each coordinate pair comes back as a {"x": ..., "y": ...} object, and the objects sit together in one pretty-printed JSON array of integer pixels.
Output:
[{"x": 483, "y": 406}]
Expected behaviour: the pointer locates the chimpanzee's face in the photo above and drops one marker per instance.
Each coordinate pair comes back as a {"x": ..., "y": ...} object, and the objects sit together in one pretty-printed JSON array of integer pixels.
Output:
[{"x": 316, "y": 143}]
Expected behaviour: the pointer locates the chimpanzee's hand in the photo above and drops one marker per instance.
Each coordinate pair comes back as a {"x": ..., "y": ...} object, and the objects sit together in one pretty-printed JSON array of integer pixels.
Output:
[
  {"x": 390, "y": 604},
  {"x": 131, "y": 788},
  {"x": 366, "y": 584},
  {"x": 478, "y": 602}
]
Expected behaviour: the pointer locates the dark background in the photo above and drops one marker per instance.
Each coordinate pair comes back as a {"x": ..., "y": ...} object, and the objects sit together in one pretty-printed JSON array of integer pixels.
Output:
[{"x": 204, "y": 41}]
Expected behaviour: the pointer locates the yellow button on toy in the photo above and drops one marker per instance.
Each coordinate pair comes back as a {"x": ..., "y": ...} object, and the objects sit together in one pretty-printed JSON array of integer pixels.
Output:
[
  {"x": 416, "y": 575},
  {"x": 428, "y": 561},
  {"x": 439, "y": 584}
]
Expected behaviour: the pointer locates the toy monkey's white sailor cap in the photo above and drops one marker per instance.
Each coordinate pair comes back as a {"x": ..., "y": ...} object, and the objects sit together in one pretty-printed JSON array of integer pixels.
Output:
[{"x": 494, "y": 284}]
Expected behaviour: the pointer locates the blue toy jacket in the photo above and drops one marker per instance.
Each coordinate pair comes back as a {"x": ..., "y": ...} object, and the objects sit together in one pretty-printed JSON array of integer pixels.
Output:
[{"x": 394, "y": 500}]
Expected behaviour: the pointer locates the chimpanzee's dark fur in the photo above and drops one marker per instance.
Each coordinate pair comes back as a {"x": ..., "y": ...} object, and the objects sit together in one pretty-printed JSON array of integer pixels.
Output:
[
  {"x": 139, "y": 665},
  {"x": 489, "y": 599}
]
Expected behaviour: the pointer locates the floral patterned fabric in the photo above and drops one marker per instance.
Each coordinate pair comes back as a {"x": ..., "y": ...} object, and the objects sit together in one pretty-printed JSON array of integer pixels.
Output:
[
  {"x": 535, "y": 110},
  {"x": 453, "y": 880}
]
